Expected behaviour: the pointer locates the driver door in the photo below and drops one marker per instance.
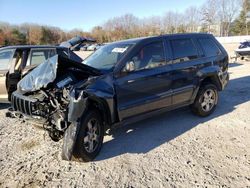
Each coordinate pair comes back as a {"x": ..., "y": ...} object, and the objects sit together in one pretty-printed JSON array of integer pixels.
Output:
[{"x": 147, "y": 85}]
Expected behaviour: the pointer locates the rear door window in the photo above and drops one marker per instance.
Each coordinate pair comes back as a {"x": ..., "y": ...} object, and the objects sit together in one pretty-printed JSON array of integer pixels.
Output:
[
  {"x": 38, "y": 56},
  {"x": 183, "y": 50},
  {"x": 209, "y": 47}
]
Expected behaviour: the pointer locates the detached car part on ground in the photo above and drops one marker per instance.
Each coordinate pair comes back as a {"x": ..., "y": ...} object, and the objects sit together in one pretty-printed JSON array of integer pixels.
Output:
[{"x": 120, "y": 83}]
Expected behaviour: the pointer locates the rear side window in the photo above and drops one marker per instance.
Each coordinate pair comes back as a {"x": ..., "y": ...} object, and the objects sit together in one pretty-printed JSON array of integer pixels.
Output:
[
  {"x": 209, "y": 47},
  {"x": 183, "y": 50}
]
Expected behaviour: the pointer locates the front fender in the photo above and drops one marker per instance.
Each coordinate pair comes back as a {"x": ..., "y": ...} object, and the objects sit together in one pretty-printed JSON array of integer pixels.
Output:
[
  {"x": 77, "y": 105},
  {"x": 79, "y": 102}
]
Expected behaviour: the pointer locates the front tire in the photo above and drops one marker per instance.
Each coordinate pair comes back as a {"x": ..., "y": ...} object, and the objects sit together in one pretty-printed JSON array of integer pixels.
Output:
[
  {"x": 90, "y": 137},
  {"x": 206, "y": 100}
]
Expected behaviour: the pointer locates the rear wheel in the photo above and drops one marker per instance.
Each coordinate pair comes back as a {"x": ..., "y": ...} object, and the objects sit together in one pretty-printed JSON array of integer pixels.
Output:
[
  {"x": 90, "y": 137},
  {"x": 206, "y": 100}
]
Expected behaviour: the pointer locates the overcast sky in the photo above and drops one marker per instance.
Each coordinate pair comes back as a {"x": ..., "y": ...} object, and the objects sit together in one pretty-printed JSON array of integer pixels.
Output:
[{"x": 70, "y": 14}]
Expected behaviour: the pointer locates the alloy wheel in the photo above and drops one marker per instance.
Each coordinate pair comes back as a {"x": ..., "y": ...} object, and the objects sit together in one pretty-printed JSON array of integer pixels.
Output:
[
  {"x": 209, "y": 99},
  {"x": 92, "y": 135}
]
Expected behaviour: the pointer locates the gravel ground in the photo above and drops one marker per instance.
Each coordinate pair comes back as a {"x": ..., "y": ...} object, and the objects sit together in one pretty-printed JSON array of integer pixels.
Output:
[{"x": 176, "y": 149}]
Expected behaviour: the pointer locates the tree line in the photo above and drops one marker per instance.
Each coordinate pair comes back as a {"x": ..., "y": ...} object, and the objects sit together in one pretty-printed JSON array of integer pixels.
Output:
[
  {"x": 220, "y": 17},
  {"x": 35, "y": 34}
]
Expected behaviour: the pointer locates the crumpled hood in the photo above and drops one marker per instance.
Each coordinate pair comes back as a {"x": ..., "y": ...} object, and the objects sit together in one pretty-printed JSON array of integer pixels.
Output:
[
  {"x": 39, "y": 77},
  {"x": 46, "y": 73}
]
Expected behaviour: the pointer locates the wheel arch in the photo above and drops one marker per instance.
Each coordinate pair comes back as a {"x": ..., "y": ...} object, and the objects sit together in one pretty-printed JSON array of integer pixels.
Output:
[
  {"x": 210, "y": 75},
  {"x": 212, "y": 79},
  {"x": 99, "y": 104}
]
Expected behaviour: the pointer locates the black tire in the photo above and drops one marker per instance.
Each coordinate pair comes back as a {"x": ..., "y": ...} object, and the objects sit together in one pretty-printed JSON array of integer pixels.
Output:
[
  {"x": 82, "y": 148},
  {"x": 202, "y": 106}
]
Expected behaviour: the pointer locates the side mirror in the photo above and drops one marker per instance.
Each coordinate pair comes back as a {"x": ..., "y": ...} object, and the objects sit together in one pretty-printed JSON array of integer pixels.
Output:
[{"x": 129, "y": 67}]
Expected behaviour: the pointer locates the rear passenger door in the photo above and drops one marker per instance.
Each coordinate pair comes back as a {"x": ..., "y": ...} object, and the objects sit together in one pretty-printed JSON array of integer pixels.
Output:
[{"x": 185, "y": 59}]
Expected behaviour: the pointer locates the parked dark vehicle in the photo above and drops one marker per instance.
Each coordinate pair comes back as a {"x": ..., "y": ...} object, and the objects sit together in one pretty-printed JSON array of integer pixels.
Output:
[
  {"x": 76, "y": 43},
  {"x": 120, "y": 83},
  {"x": 17, "y": 61}
]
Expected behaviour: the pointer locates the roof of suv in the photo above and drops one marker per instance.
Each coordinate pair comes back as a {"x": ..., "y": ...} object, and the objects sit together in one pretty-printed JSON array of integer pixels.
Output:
[
  {"x": 136, "y": 40},
  {"x": 187, "y": 34}
]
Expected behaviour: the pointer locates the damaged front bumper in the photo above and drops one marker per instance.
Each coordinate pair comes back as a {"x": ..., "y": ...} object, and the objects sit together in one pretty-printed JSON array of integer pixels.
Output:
[{"x": 24, "y": 105}]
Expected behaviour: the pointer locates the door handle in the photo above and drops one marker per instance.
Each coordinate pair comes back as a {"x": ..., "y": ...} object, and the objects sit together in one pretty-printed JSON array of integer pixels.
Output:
[{"x": 131, "y": 81}]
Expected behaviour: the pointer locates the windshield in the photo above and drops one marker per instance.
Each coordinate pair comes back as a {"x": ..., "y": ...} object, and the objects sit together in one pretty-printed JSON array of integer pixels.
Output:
[
  {"x": 5, "y": 58},
  {"x": 107, "y": 56}
]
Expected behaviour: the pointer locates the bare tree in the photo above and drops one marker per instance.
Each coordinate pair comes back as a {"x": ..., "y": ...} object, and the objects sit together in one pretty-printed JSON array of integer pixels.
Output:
[
  {"x": 227, "y": 10},
  {"x": 34, "y": 35},
  {"x": 99, "y": 34},
  {"x": 193, "y": 20},
  {"x": 170, "y": 22},
  {"x": 209, "y": 12},
  {"x": 151, "y": 26}
]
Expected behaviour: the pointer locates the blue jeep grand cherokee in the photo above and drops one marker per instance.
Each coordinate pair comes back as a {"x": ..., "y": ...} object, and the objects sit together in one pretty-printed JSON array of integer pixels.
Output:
[{"x": 120, "y": 83}]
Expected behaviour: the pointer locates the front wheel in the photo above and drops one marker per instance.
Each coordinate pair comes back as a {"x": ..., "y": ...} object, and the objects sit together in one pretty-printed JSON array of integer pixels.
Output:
[
  {"x": 206, "y": 100},
  {"x": 90, "y": 137}
]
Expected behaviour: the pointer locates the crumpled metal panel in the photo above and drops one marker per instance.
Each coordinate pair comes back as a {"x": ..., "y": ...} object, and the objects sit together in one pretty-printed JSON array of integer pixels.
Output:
[
  {"x": 76, "y": 106},
  {"x": 69, "y": 140},
  {"x": 40, "y": 76}
]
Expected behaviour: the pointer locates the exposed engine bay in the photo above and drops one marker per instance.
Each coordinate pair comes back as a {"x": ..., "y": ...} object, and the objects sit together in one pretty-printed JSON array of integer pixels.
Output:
[
  {"x": 44, "y": 94},
  {"x": 52, "y": 105}
]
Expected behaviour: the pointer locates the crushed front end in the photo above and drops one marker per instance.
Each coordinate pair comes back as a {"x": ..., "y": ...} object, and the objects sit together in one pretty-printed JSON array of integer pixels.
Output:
[
  {"x": 47, "y": 107},
  {"x": 44, "y": 94}
]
